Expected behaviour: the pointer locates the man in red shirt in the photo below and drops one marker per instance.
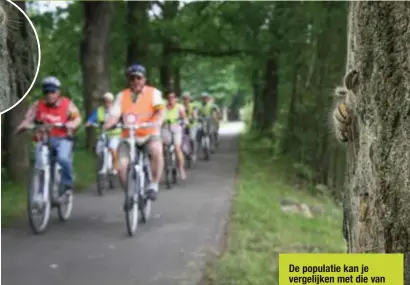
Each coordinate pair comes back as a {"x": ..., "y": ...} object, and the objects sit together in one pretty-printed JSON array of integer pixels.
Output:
[{"x": 55, "y": 108}]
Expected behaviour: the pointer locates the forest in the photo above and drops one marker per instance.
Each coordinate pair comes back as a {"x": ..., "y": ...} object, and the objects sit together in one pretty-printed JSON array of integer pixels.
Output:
[
  {"x": 274, "y": 65},
  {"x": 280, "y": 72}
]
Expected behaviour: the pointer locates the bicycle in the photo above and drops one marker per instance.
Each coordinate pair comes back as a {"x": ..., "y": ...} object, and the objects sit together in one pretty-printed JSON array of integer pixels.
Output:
[
  {"x": 187, "y": 146},
  {"x": 216, "y": 136},
  {"x": 105, "y": 169},
  {"x": 139, "y": 175},
  {"x": 46, "y": 176},
  {"x": 205, "y": 138},
  {"x": 170, "y": 159}
]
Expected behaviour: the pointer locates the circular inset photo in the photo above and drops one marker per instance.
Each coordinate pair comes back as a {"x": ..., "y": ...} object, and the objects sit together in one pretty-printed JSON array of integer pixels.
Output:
[{"x": 20, "y": 54}]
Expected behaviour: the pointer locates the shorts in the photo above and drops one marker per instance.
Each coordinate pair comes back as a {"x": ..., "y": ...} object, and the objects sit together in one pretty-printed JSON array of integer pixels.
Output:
[
  {"x": 112, "y": 144},
  {"x": 176, "y": 132},
  {"x": 123, "y": 150}
]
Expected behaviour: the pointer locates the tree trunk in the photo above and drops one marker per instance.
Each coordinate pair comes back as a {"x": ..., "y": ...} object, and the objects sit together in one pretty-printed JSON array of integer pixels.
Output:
[
  {"x": 257, "y": 102},
  {"x": 17, "y": 147},
  {"x": 177, "y": 81},
  {"x": 268, "y": 98},
  {"x": 233, "y": 111},
  {"x": 137, "y": 19},
  {"x": 165, "y": 67},
  {"x": 5, "y": 100},
  {"x": 21, "y": 71},
  {"x": 169, "y": 12},
  {"x": 18, "y": 54},
  {"x": 290, "y": 124},
  {"x": 94, "y": 57},
  {"x": 379, "y": 179}
]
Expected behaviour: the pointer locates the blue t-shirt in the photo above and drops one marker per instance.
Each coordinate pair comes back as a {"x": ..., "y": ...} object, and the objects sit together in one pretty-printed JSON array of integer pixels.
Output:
[{"x": 93, "y": 119}]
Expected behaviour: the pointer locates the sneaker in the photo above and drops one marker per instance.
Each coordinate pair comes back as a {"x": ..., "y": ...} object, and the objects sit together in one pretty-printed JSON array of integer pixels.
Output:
[
  {"x": 151, "y": 192},
  {"x": 66, "y": 190},
  {"x": 182, "y": 174}
]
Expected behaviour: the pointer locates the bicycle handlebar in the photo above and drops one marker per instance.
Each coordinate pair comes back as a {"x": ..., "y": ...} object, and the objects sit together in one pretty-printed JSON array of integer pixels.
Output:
[
  {"x": 179, "y": 122},
  {"x": 101, "y": 125},
  {"x": 137, "y": 126},
  {"x": 46, "y": 126}
]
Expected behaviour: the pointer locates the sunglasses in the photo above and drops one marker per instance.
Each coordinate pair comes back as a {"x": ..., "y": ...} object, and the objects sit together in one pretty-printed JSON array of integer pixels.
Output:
[
  {"x": 49, "y": 92},
  {"x": 133, "y": 77}
]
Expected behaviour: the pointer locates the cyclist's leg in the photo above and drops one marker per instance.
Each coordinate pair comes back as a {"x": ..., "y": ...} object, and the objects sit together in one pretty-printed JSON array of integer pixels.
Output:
[
  {"x": 165, "y": 136},
  {"x": 65, "y": 159},
  {"x": 123, "y": 154},
  {"x": 154, "y": 148},
  {"x": 177, "y": 134},
  {"x": 112, "y": 146}
]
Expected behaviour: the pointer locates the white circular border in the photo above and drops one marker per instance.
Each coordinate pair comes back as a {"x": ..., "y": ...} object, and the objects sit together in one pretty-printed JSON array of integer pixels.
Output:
[{"x": 38, "y": 63}]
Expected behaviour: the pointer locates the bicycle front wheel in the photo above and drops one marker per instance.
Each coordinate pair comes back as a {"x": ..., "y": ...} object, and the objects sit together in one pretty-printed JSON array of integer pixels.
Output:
[
  {"x": 167, "y": 168},
  {"x": 38, "y": 210},
  {"x": 145, "y": 204},
  {"x": 131, "y": 201},
  {"x": 101, "y": 177},
  {"x": 65, "y": 206},
  {"x": 205, "y": 147}
]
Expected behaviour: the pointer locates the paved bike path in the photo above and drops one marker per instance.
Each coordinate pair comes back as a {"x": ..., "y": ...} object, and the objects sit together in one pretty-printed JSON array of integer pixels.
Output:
[{"x": 92, "y": 248}]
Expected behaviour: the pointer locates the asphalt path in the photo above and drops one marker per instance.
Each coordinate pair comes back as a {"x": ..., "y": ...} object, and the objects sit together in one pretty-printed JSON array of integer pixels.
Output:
[{"x": 92, "y": 248}]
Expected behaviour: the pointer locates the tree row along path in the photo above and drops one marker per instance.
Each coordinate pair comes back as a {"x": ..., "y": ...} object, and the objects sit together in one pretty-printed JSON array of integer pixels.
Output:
[{"x": 186, "y": 226}]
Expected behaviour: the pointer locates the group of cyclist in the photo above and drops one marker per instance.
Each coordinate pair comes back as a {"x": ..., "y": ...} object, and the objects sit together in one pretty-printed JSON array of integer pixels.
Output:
[{"x": 138, "y": 103}]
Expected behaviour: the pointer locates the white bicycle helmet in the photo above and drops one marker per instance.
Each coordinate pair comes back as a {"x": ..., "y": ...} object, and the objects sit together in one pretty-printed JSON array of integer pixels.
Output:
[
  {"x": 50, "y": 83},
  {"x": 108, "y": 96},
  {"x": 186, "y": 94}
]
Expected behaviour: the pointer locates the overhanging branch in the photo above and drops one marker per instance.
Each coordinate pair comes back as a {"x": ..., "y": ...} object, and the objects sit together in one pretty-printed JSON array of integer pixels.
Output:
[{"x": 210, "y": 53}]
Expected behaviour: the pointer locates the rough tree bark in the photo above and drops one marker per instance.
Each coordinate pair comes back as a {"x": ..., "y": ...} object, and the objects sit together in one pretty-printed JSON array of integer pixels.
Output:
[
  {"x": 169, "y": 12},
  {"x": 23, "y": 55},
  {"x": 4, "y": 60},
  {"x": 137, "y": 19},
  {"x": 377, "y": 198},
  {"x": 94, "y": 57},
  {"x": 268, "y": 99},
  {"x": 177, "y": 81},
  {"x": 18, "y": 54}
]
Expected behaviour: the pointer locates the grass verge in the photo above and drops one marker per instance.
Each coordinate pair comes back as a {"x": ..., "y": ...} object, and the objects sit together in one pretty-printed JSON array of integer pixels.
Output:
[
  {"x": 259, "y": 230},
  {"x": 13, "y": 195}
]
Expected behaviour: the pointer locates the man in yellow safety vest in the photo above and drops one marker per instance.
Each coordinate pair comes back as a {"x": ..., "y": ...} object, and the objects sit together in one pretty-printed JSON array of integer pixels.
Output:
[{"x": 98, "y": 116}]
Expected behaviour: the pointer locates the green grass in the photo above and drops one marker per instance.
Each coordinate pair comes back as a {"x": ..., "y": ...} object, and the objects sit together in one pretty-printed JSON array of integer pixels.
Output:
[
  {"x": 259, "y": 230},
  {"x": 13, "y": 195}
]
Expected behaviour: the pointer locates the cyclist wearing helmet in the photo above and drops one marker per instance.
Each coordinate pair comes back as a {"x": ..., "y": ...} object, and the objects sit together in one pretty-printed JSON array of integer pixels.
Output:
[
  {"x": 98, "y": 116},
  {"x": 210, "y": 109},
  {"x": 136, "y": 104},
  {"x": 173, "y": 113},
  {"x": 192, "y": 113},
  {"x": 55, "y": 108}
]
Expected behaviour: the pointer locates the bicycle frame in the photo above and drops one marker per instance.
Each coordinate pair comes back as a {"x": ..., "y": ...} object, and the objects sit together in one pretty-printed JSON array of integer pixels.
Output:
[
  {"x": 107, "y": 159},
  {"x": 170, "y": 144},
  {"x": 205, "y": 136},
  {"x": 47, "y": 164},
  {"x": 139, "y": 158}
]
